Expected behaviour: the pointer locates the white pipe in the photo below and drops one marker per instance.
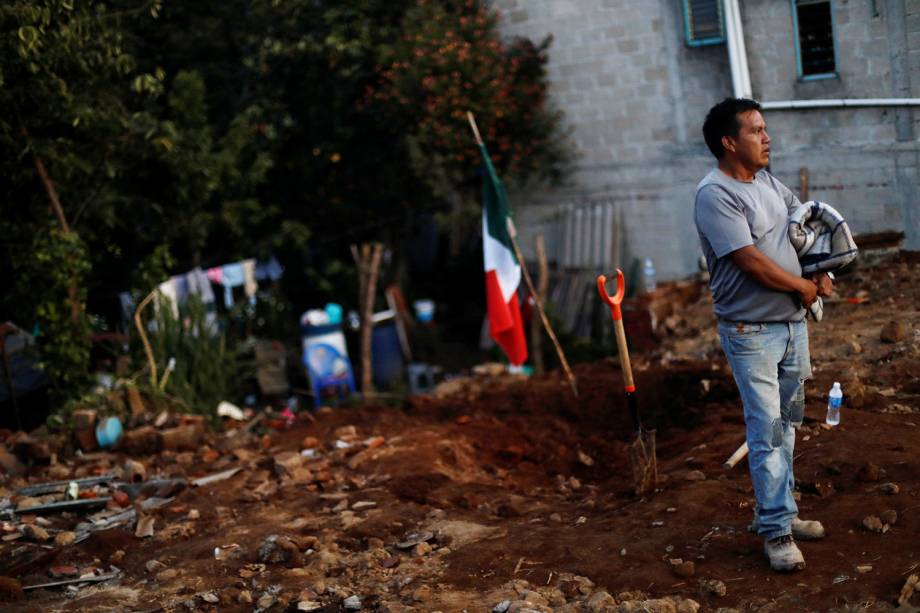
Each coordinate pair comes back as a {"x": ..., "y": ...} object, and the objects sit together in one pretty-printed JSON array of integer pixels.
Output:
[
  {"x": 839, "y": 103},
  {"x": 737, "y": 53}
]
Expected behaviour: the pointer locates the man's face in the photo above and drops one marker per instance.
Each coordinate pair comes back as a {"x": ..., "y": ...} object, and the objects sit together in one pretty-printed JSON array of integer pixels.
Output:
[{"x": 752, "y": 145}]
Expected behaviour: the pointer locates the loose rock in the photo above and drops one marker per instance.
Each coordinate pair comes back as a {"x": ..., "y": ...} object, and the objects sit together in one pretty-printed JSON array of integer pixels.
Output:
[
  {"x": 713, "y": 587},
  {"x": 889, "y": 516},
  {"x": 62, "y": 539},
  {"x": 889, "y": 488},
  {"x": 599, "y": 602},
  {"x": 352, "y": 603},
  {"x": 873, "y": 524},
  {"x": 893, "y": 332}
]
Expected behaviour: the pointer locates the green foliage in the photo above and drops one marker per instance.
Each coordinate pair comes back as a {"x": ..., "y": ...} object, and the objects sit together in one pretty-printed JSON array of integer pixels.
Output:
[
  {"x": 207, "y": 369},
  {"x": 198, "y": 133},
  {"x": 58, "y": 272}
]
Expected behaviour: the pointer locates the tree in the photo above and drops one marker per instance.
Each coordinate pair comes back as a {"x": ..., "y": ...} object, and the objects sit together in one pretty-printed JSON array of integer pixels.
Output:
[{"x": 449, "y": 60}]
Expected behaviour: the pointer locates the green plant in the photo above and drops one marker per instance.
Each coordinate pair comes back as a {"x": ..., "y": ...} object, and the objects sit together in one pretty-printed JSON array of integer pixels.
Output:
[
  {"x": 59, "y": 268},
  {"x": 206, "y": 370}
]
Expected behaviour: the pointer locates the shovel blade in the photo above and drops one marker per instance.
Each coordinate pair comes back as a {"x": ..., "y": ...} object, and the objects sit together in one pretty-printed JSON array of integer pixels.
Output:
[{"x": 644, "y": 461}]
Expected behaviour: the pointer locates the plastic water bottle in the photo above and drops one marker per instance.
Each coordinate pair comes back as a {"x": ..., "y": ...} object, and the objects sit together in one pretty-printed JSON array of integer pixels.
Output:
[
  {"x": 834, "y": 400},
  {"x": 648, "y": 275}
]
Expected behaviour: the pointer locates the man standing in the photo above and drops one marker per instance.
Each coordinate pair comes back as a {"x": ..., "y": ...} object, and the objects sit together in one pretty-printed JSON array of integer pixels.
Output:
[{"x": 760, "y": 297}]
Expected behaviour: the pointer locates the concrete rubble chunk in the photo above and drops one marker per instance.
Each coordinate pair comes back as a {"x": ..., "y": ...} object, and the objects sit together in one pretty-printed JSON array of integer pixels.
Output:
[
  {"x": 893, "y": 332},
  {"x": 713, "y": 587},
  {"x": 669, "y": 604},
  {"x": 279, "y": 550},
  {"x": 35, "y": 532},
  {"x": 873, "y": 524},
  {"x": 889, "y": 488},
  {"x": 600, "y": 602}
]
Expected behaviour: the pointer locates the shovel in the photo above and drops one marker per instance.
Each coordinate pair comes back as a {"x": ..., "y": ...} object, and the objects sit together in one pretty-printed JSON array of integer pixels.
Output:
[{"x": 642, "y": 451}]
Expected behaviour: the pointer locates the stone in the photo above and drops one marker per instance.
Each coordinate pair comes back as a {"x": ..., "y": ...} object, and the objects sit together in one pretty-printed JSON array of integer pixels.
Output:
[
  {"x": 35, "y": 532},
  {"x": 599, "y": 602},
  {"x": 873, "y": 524},
  {"x": 62, "y": 539},
  {"x": 309, "y": 605},
  {"x": 193, "y": 514},
  {"x": 713, "y": 587},
  {"x": 501, "y": 607},
  {"x": 154, "y": 566},
  {"x": 695, "y": 475},
  {"x": 854, "y": 348},
  {"x": 352, "y": 603},
  {"x": 422, "y": 549},
  {"x": 889, "y": 517},
  {"x": 684, "y": 568},
  {"x": 140, "y": 441},
  {"x": 421, "y": 594},
  {"x": 534, "y": 598},
  {"x": 670, "y": 604},
  {"x": 346, "y": 433},
  {"x": 182, "y": 438},
  {"x": 286, "y": 462},
  {"x": 279, "y": 550},
  {"x": 889, "y": 488},
  {"x": 864, "y": 568},
  {"x": 893, "y": 332},
  {"x": 117, "y": 557}
]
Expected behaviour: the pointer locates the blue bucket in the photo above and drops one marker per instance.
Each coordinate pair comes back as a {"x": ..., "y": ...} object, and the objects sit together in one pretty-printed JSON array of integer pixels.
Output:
[{"x": 108, "y": 432}]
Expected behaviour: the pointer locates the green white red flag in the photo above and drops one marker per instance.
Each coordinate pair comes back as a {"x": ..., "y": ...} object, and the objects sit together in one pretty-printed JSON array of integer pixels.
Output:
[{"x": 503, "y": 271}]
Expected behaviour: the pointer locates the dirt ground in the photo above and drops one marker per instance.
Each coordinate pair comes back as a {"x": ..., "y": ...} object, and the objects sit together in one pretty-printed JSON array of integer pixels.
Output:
[{"x": 525, "y": 492}]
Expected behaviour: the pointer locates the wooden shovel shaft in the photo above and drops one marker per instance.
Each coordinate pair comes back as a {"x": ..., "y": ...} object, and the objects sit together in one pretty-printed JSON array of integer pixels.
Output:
[{"x": 623, "y": 350}]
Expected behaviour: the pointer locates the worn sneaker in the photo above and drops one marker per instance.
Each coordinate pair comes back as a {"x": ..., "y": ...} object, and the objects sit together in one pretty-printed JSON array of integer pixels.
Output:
[
  {"x": 784, "y": 554},
  {"x": 807, "y": 530}
]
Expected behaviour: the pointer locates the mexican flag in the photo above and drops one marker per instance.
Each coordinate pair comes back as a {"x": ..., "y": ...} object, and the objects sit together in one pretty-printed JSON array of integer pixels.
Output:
[{"x": 503, "y": 272}]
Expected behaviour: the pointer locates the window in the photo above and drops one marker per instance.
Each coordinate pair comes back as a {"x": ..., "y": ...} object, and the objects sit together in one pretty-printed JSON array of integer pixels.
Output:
[
  {"x": 814, "y": 49},
  {"x": 703, "y": 22}
]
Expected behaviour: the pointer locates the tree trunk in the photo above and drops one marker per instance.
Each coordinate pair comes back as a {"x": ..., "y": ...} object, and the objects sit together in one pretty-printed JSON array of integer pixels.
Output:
[{"x": 75, "y": 306}]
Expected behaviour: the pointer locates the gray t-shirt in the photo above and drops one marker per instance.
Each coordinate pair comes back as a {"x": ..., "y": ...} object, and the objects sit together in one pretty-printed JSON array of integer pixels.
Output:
[{"x": 732, "y": 214}]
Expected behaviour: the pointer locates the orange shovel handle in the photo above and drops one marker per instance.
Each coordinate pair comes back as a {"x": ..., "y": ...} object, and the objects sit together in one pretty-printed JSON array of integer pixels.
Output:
[{"x": 616, "y": 300}]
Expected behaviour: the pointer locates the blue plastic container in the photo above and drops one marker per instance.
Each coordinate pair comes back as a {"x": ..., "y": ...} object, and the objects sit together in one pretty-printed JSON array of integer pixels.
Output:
[{"x": 108, "y": 432}]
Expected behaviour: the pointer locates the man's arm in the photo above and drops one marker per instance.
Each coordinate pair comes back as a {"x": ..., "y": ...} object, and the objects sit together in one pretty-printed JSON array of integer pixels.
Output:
[{"x": 763, "y": 270}]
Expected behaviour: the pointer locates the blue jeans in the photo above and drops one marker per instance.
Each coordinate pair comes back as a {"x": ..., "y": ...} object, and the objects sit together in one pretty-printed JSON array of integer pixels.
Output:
[{"x": 770, "y": 363}]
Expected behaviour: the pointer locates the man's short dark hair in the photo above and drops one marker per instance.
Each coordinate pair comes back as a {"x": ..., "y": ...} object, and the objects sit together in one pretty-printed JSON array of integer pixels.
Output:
[{"x": 722, "y": 120}]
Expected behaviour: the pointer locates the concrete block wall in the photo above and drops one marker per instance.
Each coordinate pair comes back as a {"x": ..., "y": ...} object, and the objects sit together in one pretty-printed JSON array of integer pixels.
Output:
[{"x": 635, "y": 96}]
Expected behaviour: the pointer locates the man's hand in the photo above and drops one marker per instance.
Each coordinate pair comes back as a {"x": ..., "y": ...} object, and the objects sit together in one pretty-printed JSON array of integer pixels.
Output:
[
  {"x": 808, "y": 292},
  {"x": 824, "y": 283}
]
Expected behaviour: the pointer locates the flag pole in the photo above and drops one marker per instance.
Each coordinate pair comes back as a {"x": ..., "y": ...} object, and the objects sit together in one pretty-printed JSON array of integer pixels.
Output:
[{"x": 512, "y": 233}]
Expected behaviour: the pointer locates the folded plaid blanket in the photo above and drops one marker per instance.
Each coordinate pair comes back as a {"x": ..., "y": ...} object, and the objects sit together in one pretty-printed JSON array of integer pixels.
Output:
[{"x": 822, "y": 240}]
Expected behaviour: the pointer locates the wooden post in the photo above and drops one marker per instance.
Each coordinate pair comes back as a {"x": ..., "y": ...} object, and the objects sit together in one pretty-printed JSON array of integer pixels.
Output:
[
  {"x": 368, "y": 269},
  {"x": 803, "y": 184},
  {"x": 536, "y": 336}
]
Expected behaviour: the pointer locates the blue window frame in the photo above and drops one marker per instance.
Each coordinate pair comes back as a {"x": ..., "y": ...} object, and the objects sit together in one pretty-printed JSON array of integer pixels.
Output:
[
  {"x": 815, "y": 43},
  {"x": 703, "y": 22}
]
